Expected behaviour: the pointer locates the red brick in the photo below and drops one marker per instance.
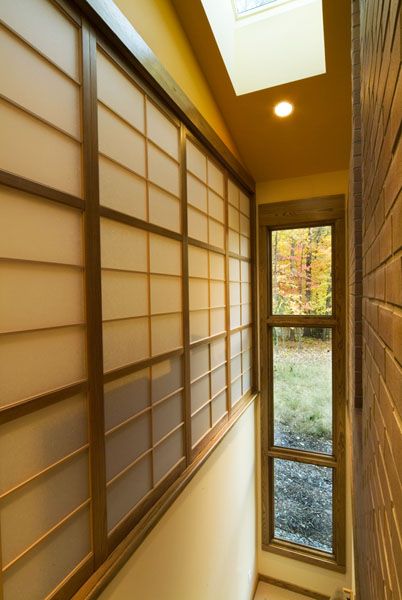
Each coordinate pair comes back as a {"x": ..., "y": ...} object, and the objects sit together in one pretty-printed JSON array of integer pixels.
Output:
[
  {"x": 397, "y": 341},
  {"x": 397, "y": 224},
  {"x": 385, "y": 325},
  {"x": 393, "y": 377},
  {"x": 386, "y": 240}
]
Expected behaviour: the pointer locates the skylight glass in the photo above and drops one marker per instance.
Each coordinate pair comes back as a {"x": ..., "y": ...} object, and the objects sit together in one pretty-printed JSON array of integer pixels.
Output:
[{"x": 243, "y": 6}]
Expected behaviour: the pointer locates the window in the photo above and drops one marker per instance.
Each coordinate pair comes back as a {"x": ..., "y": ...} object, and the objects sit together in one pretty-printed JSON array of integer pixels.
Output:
[
  {"x": 245, "y": 6},
  {"x": 303, "y": 395},
  {"x": 117, "y": 360}
]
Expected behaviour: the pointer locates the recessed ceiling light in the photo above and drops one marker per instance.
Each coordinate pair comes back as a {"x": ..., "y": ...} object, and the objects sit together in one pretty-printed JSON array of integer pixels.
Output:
[{"x": 283, "y": 109}]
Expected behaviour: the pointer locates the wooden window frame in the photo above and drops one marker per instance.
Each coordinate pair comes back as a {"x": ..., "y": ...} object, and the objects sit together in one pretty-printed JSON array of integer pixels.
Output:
[
  {"x": 102, "y": 25},
  {"x": 327, "y": 210}
]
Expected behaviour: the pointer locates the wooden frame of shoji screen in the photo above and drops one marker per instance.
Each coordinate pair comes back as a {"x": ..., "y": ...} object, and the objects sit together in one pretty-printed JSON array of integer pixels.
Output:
[{"x": 84, "y": 198}]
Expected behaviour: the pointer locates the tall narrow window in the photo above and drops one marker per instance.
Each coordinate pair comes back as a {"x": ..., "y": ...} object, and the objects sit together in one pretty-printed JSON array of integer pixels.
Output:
[{"x": 302, "y": 336}]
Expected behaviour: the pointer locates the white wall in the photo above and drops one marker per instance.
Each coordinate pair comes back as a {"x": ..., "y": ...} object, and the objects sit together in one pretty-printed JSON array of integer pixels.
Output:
[{"x": 204, "y": 548}]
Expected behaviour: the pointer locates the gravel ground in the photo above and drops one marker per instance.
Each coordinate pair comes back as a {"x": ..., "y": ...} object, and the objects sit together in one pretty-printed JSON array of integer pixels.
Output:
[{"x": 303, "y": 496}]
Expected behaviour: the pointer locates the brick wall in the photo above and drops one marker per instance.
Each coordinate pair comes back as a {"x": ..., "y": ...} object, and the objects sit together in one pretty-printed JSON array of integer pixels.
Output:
[{"x": 378, "y": 452}]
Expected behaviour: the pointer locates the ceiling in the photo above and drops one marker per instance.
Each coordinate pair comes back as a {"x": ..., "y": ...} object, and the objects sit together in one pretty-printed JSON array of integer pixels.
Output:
[{"x": 316, "y": 137}]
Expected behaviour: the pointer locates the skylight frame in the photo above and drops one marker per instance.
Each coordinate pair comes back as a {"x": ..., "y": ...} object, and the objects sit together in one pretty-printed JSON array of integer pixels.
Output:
[{"x": 258, "y": 9}]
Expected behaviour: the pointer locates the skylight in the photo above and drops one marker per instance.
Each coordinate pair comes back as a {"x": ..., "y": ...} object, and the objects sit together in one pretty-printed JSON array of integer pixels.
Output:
[
  {"x": 244, "y": 6},
  {"x": 266, "y": 43}
]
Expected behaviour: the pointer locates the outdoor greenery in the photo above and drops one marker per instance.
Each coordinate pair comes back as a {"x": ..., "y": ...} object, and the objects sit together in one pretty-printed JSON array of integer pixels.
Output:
[
  {"x": 301, "y": 271},
  {"x": 303, "y": 386}
]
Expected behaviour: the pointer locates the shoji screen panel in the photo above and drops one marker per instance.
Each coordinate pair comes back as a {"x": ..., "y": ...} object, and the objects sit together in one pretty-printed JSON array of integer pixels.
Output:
[
  {"x": 240, "y": 291},
  {"x": 142, "y": 294},
  {"x": 40, "y": 95},
  {"x": 45, "y": 498},
  {"x": 139, "y": 166},
  {"x": 205, "y": 198}
]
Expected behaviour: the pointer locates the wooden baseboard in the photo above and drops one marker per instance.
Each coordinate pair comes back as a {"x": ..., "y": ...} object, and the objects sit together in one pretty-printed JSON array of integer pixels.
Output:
[{"x": 293, "y": 588}]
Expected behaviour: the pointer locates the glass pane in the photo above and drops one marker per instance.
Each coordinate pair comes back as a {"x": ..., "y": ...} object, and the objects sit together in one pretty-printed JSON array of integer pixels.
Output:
[
  {"x": 303, "y": 388},
  {"x": 303, "y": 504},
  {"x": 243, "y": 6},
  {"x": 301, "y": 271}
]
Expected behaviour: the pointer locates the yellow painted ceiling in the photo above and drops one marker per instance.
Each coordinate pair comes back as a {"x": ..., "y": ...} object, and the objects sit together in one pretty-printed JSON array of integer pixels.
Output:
[{"x": 316, "y": 137}]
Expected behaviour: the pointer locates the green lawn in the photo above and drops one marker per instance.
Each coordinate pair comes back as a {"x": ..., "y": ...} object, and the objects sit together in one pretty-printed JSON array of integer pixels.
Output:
[{"x": 303, "y": 387}]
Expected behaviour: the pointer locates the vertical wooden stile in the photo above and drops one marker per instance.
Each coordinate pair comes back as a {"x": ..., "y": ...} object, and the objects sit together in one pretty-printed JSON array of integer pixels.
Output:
[
  {"x": 227, "y": 300},
  {"x": 185, "y": 297},
  {"x": 93, "y": 296}
]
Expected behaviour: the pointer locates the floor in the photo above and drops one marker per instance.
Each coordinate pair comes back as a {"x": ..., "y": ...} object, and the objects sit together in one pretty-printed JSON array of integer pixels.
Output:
[{"x": 265, "y": 591}]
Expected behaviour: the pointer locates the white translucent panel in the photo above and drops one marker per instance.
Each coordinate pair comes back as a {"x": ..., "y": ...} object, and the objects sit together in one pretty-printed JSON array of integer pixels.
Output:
[
  {"x": 125, "y": 342},
  {"x": 125, "y": 397},
  {"x": 216, "y": 179},
  {"x": 218, "y": 352},
  {"x": 233, "y": 241},
  {"x": 216, "y": 266},
  {"x": 37, "y": 229},
  {"x": 199, "y": 361},
  {"x": 164, "y": 209},
  {"x": 46, "y": 28},
  {"x": 196, "y": 161},
  {"x": 244, "y": 204},
  {"x": 236, "y": 390},
  {"x": 197, "y": 193},
  {"x": 39, "y": 152},
  {"x": 30, "y": 512},
  {"x": 168, "y": 453},
  {"x": 244, "y": 246},
  {"x": 35, "y": 441},
  {"x": 165, "y": 294},
  {"x": 246, "y": 338},
  {"x": 124, "y": 294},
  {"x": 116, "y": 90},
  {"x": 63, "y": 550},
  {"x": 34, "y": 296},
  {"x": 236, "y": 366},
  {"x": 244, "y": 225},
  {"x": 217, "y": 293},
  {"x": 198, "y": 289},
  {"x": 234, "y": 269},
  {"x": 246, "y": 360},
  {"x": 167, "y": 377},
  {"x": 216, "y": 233},
  {"x": 166, "y": 333},
  {"x": 123, "y": 247},
  {"x": 216, "y": 207},
  {"x": 245, "y": 292},
  {"x": 197, "y": 224},
  {"x": 245, "y": 314},
  {"x": 218, "y": 380},
  {"x": 197, "y": 262},
  {"x": 234, "y": 293},
  {"x": 218, "y": 320},
  {"x": 124, "y": 493},
  {"x": 121, "y": 190},
  {"x": 245, "y": 271},
  {"x": 126, "y": 444},
  {"x": 166, "y": 416},
  {"x": 235, "y": 343},
  {"x": 120, "y": 141},
  {"x": 164, "y": 255},
  {"x": 218, "y": 407},
  {"x": 40, "y": 361},
  {"x": 162, "y": 131},
  {"x": 199, "y": 325},
  {"x": 163, "y": 171},
  {"x": 234, "y": 218},
  {"x": 234, "y": 317},
  {"x": 233, "y": 194},
  {"x": 246, "y": 381},
  {"x": 200, "y": 392},
  {"x": 31, "y": 81},
  {"x": 200, "y": 424}
]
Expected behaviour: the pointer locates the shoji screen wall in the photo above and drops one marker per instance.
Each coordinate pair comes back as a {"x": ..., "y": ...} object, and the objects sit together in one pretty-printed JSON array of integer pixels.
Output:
[{"x": 125, "y": 299}]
